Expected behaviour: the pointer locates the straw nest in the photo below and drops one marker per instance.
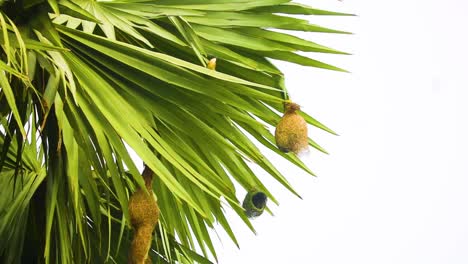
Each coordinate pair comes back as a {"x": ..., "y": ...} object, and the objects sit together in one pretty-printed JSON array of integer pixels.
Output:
[
  {"x": 291, "y": 131},
  {"x": 144, "y": 215}
]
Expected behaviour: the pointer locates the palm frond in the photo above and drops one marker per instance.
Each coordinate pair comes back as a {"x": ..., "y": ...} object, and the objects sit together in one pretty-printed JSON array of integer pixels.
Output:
[{"x": 82, "y": 82}]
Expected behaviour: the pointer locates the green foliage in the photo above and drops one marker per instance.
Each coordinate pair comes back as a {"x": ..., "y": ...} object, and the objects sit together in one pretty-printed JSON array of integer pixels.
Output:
[{"x": 82, "y": 80}]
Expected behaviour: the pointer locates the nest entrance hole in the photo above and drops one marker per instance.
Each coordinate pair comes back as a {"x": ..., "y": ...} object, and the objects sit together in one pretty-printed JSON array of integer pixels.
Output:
[{"x": 259, "y": 200}]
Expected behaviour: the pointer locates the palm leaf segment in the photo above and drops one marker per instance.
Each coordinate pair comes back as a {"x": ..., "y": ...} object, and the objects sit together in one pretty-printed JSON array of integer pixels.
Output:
[{"x": 83, "y": 80}]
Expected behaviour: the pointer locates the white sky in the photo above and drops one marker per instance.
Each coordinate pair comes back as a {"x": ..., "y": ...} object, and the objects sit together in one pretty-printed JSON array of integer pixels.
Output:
[{"x": 394, "y": 188}]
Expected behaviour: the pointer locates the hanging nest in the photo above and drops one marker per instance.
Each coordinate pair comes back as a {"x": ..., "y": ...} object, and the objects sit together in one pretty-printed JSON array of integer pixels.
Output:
[
  {"x": 291, "y": 131},
  {"x": 144, "y": 215},
  {"x": 254, "y": 203}
]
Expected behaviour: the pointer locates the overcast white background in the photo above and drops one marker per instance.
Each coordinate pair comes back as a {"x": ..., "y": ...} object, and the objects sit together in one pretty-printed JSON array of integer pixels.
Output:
[{"x": 394, "y": 188}]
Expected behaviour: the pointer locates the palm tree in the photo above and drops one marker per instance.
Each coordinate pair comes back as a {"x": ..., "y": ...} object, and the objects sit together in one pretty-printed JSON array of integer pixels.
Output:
[{"x": 83, "y": 82}]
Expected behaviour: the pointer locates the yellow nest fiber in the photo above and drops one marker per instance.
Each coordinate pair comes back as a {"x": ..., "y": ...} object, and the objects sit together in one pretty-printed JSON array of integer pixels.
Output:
[
  {"x": 291, "y": 131},
  {"x": 144, "y": 215}
]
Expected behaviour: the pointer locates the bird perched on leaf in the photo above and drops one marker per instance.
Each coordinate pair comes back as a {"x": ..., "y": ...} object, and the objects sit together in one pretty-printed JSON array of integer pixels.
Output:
[{"x": 212, "y": 64}]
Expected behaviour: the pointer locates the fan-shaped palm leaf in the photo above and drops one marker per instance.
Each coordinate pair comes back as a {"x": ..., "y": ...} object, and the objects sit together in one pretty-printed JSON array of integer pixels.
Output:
[{"x": 82, "y": 81}]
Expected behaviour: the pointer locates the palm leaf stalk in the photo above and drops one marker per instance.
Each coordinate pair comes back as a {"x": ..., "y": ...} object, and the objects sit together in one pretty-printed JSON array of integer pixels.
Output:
[{"x": 83, "y": 81}]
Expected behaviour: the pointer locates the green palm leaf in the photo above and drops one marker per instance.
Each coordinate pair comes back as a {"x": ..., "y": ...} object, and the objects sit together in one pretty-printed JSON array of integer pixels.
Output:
[{"x": 84, "y": 82}]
